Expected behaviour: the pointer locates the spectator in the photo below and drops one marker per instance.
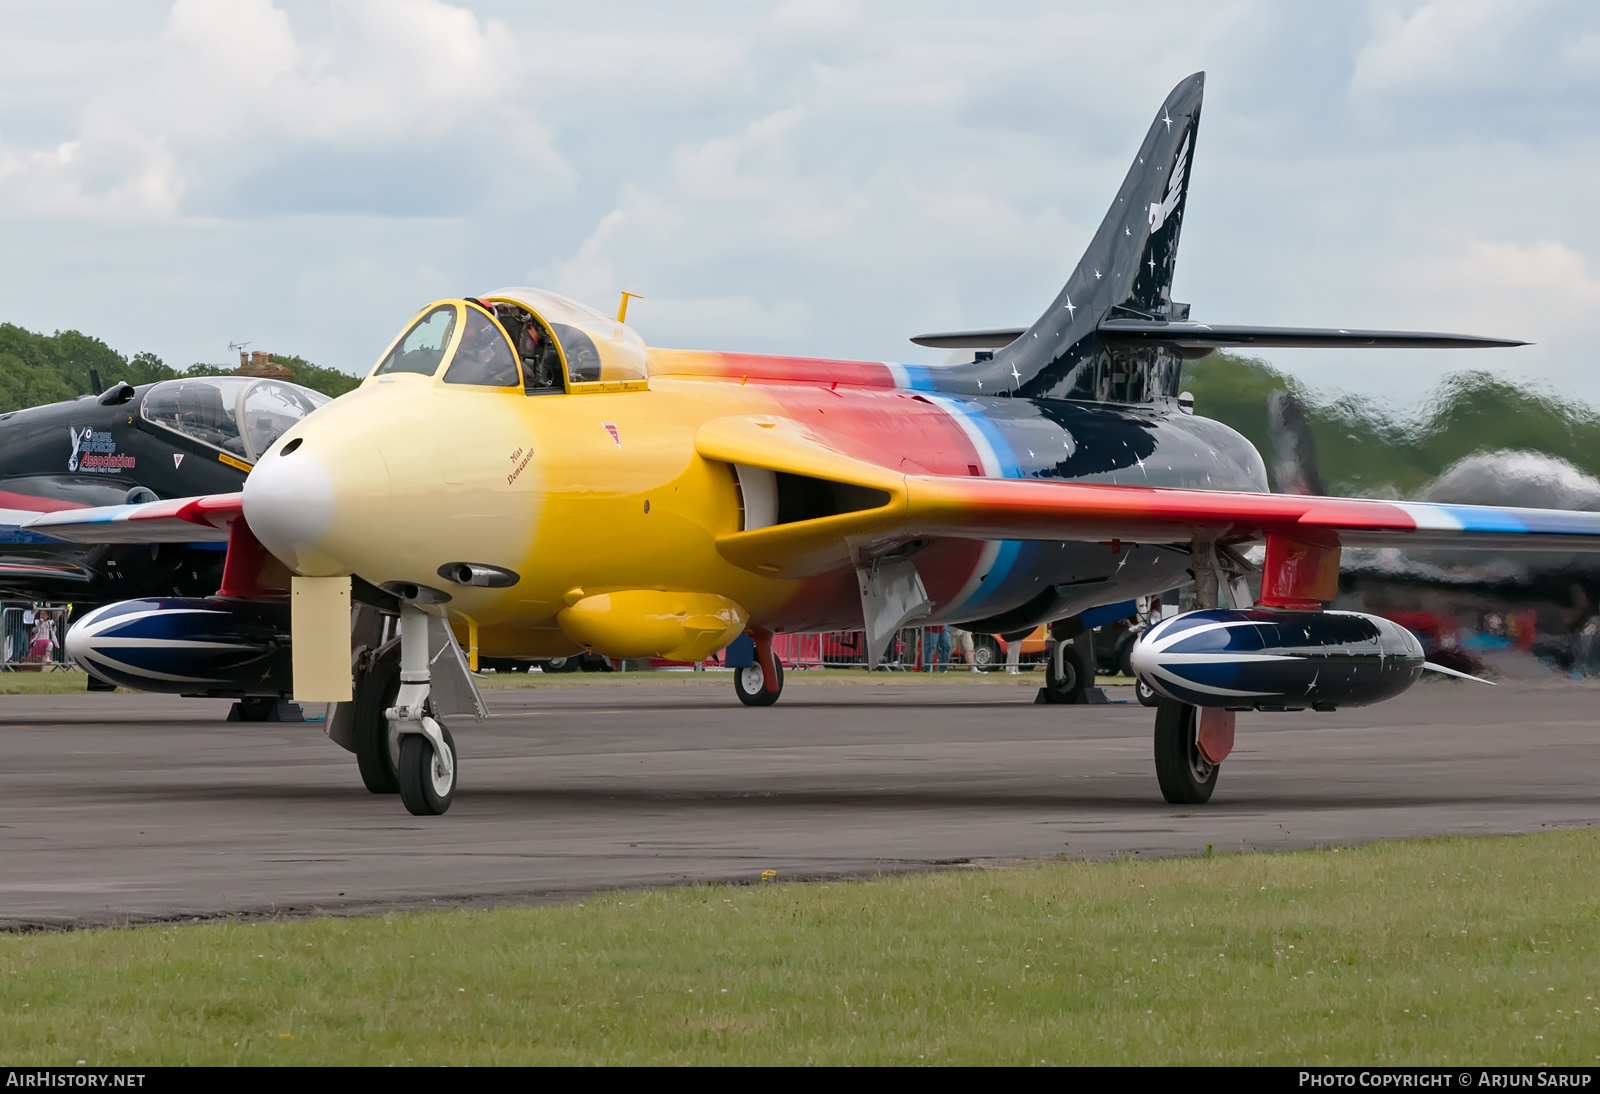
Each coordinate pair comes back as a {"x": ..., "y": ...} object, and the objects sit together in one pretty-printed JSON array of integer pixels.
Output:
[
  {"x": 935, "y": 648},
  {"x": 962, "y": 640},
  {"x": 43, "y": 646}
]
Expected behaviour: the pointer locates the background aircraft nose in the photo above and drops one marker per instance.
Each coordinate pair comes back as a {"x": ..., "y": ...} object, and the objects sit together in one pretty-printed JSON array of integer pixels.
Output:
[{"x": 306, "y": 498}]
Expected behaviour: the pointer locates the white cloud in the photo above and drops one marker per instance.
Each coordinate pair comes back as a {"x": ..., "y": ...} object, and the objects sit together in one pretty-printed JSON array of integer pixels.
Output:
[
  {"x": 1542, "y": 291},
  {"x": 231, "y": 95},
  {"x": 1441, "y": 45},
  {"x": 819, "y": 177}
]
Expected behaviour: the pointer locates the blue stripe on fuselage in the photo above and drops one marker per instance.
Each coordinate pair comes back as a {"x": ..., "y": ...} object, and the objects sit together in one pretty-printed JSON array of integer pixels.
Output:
[
  {"x": 911, "y": 377},
  {"x": 1006, "y": 465}
]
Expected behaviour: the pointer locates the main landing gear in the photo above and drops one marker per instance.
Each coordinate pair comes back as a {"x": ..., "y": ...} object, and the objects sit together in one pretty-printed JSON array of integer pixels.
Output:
[
  {"x": 376, "y": 743},
  {"x": 1191, "y": 743},
  {"x": 1067, "y": 678},
  {"x": 759, "y": 683}
]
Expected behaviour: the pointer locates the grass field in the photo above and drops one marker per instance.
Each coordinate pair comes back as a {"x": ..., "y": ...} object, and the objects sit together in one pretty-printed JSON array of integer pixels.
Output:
[
  {"x": 1442, "y": 951},
  {"x": 45, "y": 683}
]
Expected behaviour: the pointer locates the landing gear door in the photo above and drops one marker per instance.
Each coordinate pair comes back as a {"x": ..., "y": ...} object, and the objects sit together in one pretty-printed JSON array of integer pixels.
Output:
[{"x": 452, "y": 690}]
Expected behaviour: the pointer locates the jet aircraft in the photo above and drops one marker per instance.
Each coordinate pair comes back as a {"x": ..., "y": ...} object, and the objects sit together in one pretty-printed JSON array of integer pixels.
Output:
[
  {"x": 522, "y": 474},
  {"x": 126, "y": 444}
]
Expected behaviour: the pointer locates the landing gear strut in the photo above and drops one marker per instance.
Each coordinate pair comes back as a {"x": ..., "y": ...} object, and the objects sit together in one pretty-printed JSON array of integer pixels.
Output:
[
  {"x": 426, "y": 764},
  {"x": 760, "y": 683},
  {"x": 1066, "y": 678}
]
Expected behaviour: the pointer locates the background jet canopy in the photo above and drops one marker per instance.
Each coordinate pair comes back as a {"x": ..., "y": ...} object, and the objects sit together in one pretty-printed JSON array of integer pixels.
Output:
[{"x": 242, "y": 415}]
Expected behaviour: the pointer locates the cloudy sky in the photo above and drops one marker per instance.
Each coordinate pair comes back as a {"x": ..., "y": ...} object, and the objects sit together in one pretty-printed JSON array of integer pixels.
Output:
[{"x": 818, "y": 176}]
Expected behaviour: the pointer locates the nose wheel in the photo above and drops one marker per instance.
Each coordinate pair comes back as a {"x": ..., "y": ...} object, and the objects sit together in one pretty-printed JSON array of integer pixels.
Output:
[{"x": 427, "y": 772}]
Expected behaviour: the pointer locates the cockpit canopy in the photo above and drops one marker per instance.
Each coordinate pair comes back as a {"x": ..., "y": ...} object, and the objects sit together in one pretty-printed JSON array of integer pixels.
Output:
[
  {"x": 241, "y": 415},
  {"x": 519, "y": 337}
]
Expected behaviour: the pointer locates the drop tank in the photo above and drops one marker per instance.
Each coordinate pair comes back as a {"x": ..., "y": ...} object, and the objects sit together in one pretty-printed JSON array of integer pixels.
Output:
[{"x": 1275, "y": 660}]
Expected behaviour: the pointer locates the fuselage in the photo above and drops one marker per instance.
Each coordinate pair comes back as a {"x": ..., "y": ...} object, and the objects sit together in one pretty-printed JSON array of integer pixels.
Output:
[{"x": 602, "y": 490}]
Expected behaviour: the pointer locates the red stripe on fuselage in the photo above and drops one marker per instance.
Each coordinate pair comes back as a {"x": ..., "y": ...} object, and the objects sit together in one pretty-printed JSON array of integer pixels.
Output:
[
  {"x": 807, "y": 370},
  {"x": 763, "y": 369}
]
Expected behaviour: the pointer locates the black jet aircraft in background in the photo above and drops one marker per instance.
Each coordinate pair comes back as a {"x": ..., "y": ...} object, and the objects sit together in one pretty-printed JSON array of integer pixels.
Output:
[{"x": 177, "y": 438}]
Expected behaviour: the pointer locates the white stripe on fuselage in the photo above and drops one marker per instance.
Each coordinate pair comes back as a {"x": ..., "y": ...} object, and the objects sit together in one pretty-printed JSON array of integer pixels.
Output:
[
  {"x": 989, "y": 464},
  {"x": 902, "y": 378}
]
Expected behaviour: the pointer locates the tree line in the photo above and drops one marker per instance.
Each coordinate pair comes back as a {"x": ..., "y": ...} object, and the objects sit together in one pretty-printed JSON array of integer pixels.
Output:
[
  {"x": 1366, "y": 447},
  {"x": 47, "y": 368}
]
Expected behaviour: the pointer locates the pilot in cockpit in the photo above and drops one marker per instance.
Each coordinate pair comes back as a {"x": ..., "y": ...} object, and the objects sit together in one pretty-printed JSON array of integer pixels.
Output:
[{"x": 541, "y": 365}]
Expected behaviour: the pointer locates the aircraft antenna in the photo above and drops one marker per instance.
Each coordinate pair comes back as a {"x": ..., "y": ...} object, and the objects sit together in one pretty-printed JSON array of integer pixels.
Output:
[{"x": 622, "y": 309}]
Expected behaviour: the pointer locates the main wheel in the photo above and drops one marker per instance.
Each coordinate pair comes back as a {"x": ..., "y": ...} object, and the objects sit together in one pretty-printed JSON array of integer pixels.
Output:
[
  {"x": 985, "y": 654},
  {"x": 425, "y": 786},
  {"x": 748, "y": 685},
  {"x": 377, "y": 744},
  {"x": 1186, "y": 777},
  {"x": 1069, "y": 685},
  {"x": 1144, "y": 693}
]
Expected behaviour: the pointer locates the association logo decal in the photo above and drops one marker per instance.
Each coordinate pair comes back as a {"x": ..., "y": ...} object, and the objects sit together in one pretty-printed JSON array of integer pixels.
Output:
[
  {"x": 96, "y": 452},
  {"x": 1160, "y": 211},
  {"x": 611, "y": 428}
]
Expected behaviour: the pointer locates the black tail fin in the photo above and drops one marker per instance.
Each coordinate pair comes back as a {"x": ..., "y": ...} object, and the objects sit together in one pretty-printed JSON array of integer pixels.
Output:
[
  {"x": 1125, "y": 273},
  {"x": 1114, "y": 333}
]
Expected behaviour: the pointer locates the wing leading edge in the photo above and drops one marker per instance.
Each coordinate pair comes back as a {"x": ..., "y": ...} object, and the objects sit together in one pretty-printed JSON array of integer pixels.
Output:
[{"x": 204, "y": 519}]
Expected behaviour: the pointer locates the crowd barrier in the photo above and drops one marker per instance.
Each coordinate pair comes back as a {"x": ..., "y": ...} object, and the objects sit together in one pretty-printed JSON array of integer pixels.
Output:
[
  {"x": 841, "y": 649},
  {"x": 30, "y": 638}
]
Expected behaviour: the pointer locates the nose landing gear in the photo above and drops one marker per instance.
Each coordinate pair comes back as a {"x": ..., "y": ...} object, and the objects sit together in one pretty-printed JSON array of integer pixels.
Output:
[
  {"x": 426, "y": 767},
  {"x": 428, "y": 771}
]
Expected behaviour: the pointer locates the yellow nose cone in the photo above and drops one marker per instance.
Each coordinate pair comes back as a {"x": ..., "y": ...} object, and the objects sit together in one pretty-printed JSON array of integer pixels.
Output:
[{"x": 393, "y": 481}]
